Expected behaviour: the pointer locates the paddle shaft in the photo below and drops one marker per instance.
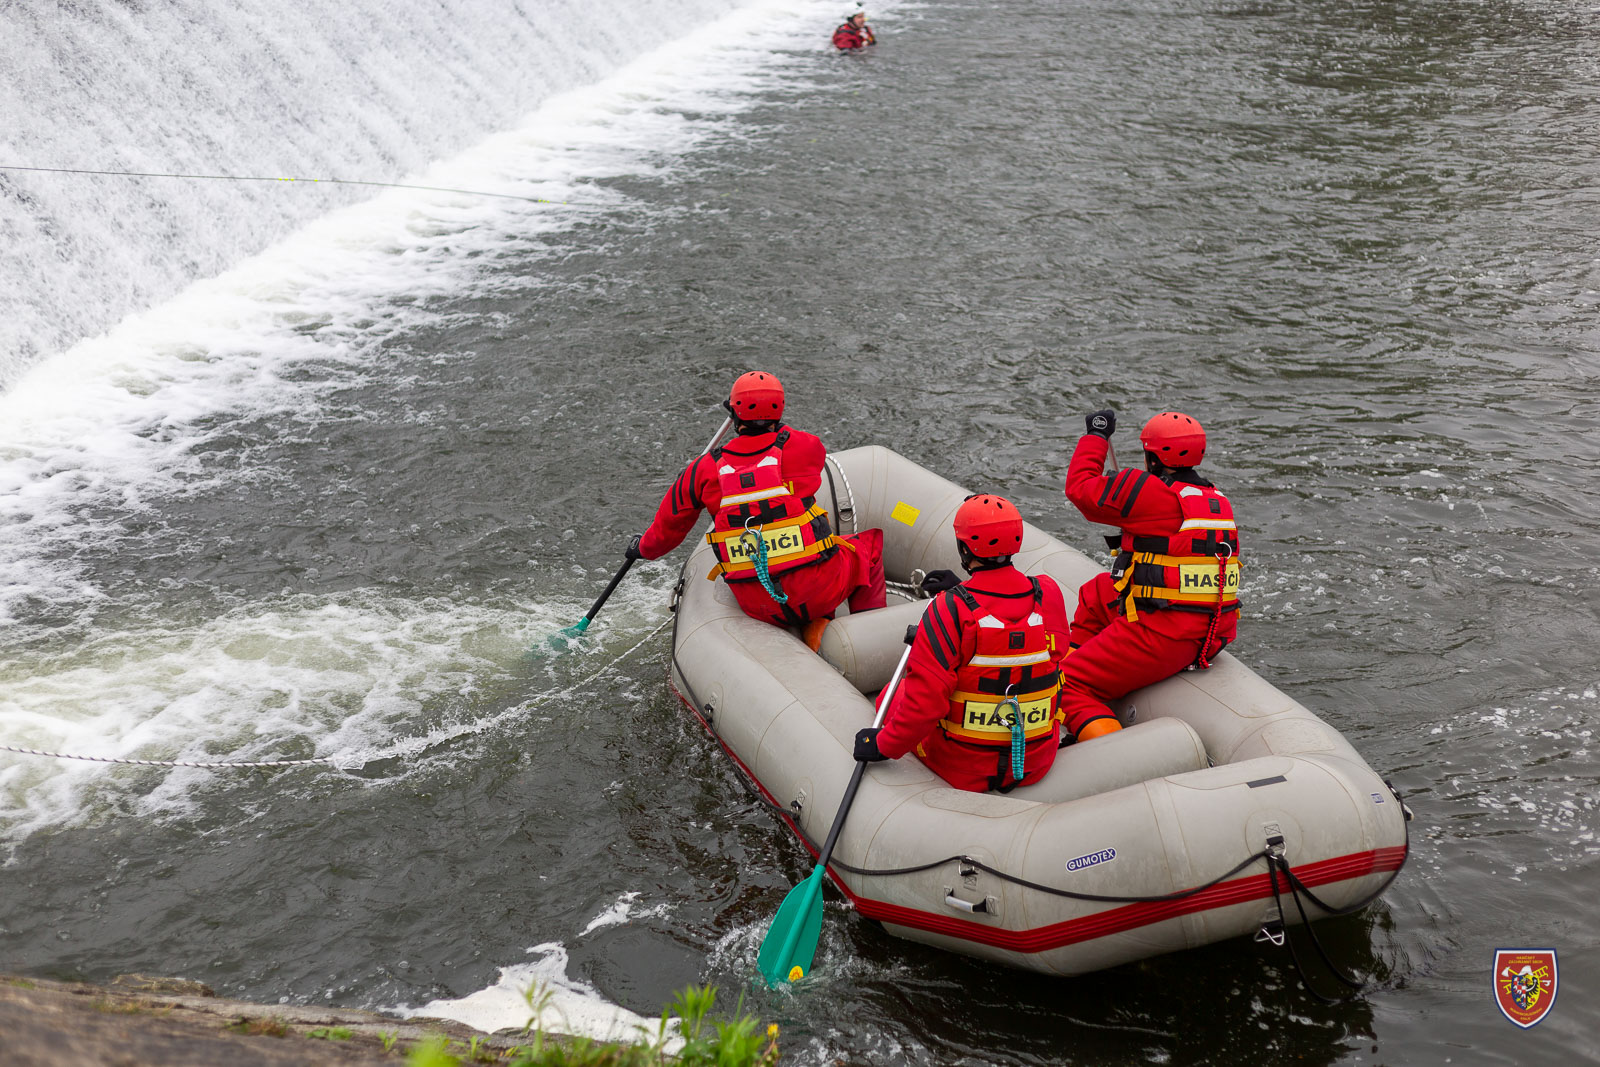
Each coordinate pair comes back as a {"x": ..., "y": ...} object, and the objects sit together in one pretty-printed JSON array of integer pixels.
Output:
[
  {"x": 800, "y": 916},
  {"x": 616, "y": 579},
  {"x": 718, "y": 435},
  {"x": 861, "y": 766}
]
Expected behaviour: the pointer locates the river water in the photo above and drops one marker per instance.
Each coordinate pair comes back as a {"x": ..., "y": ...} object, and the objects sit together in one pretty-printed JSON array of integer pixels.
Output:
[{"x": 342, "y": 465}]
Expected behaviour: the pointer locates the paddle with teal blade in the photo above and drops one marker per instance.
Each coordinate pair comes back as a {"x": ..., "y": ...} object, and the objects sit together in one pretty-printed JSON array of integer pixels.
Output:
[
  {"x": 563, "y": 637},
  {"x": 583, "y": 624},
  {"x": 791, "y": 941}
]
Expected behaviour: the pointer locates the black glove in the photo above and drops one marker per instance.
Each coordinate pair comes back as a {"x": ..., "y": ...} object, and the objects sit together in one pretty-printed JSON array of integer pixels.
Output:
[
  {"x": 867, "y": 745},
  {"x": 632, "y": 551},
  {"x": 1102, "y": 423},
  {"x": 938, "y": 581}
]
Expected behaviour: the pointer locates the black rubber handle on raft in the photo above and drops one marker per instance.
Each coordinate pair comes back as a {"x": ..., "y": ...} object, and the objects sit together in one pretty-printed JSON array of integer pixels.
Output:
[{"x": 616, "y": 580}]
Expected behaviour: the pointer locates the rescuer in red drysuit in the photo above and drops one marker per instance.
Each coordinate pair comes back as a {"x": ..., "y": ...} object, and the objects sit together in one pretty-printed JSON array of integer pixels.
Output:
[
  {"x": 999, "y": 634},
  {"x": 761, "y": 488},
  {"x": 1158, "y": 611},
  {"x": 854, "y": 33}
]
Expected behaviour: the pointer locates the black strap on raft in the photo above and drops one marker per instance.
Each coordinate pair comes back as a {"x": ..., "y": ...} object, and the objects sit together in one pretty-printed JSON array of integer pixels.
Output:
[
  {"x": 1277, "y": 932},
  {"x": 1098, "y": 898},
  {"x": 1001, "y": 781},
  {"x": 1094, "y": 898},
  {"x": 791, "y": 616}
]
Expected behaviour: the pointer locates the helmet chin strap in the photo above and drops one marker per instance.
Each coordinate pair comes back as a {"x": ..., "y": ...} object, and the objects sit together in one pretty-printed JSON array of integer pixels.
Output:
[
  {"x": 1160, "y": 469},
  {"x": 972, "y": 564},
  {"x": 755, "y": 427},
  {"x": 750, "y": 427}
]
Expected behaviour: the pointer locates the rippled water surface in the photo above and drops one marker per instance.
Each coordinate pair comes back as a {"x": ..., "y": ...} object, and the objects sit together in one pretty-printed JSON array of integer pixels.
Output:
[{"x": 1357, "y": 240}]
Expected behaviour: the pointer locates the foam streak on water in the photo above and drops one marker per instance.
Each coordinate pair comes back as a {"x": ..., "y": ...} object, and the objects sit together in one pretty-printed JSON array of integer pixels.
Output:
[
  {"x": 122, "y": 416},
  {"x": 110, "y": 428},
  {"x": 364, "y": 89}
]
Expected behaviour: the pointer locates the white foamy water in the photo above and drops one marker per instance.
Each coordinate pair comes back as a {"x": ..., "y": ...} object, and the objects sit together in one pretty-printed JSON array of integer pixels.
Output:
[
  {"x": 567, "y": 1005},
  {"x": 624, "y": 911},
  {"x": 104, "y": 427},
  {"x": 364, "y": 89},
  {"x": 307, "y": 678},
  {"x": 1545, "y": 778},
  {"x": 353, "y": 678},
  {"x": 109, "y": 428}
]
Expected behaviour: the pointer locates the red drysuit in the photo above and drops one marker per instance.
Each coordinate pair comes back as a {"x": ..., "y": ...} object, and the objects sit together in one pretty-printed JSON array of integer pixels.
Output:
[
  {"x": 1112, "y": 656},
  {"x": 852, "y": 570},
  {"x": 924, "y": 707},
  {"x": 849, "y": 37}
]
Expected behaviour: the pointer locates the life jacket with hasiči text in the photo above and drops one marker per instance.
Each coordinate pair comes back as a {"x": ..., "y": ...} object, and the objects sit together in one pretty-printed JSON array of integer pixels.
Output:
[
  {"x": 1196, "y": 569},
  {"x": 758, "y": 507},
  {"x": 1014, "y": 657}
]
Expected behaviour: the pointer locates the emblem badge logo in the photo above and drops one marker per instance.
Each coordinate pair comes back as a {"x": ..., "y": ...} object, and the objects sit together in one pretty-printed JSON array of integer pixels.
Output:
[{"x": 1525, "y": 983}]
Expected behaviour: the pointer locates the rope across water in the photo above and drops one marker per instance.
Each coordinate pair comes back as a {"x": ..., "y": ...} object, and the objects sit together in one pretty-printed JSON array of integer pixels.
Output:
[
  {"x": 394, "y": 751},
  {"x": 304, "y": 181},
  {"x": 165, "y": 762}
]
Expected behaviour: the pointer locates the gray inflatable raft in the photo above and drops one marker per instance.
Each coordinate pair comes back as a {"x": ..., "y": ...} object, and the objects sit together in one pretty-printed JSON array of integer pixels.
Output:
[{"x": 1157, "y": 838}]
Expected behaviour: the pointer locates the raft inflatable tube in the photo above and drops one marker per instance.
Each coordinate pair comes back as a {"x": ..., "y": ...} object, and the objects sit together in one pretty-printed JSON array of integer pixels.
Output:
[{"x": 1221, "y": 805}]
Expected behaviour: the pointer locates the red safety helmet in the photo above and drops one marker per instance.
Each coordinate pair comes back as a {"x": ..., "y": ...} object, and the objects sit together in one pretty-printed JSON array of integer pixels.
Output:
[
  {"x": 989, "y": 525},
  {"x": 1175, "y": 438},
  {"x": 756, "y": 396}
]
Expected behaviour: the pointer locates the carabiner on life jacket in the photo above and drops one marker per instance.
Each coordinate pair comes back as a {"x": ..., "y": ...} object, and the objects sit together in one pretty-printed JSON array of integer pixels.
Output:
[{"x": 758, "y": 556}]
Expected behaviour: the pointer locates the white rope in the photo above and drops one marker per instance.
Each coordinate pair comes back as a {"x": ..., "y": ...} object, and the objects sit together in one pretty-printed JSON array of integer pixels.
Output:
[
  {"x": 164, "y": 762},
  {"x": 412, "y": 746},
  {"x": 323, "y": 760}
]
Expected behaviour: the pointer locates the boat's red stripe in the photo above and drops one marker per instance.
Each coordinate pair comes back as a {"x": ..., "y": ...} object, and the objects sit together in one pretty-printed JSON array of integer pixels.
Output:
[
  {"x": 1088, "y": 927},
  {"x": 1131, "y": 916}
]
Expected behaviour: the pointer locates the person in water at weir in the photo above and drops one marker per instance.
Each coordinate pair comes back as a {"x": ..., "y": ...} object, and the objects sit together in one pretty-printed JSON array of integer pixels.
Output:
[
  {"x": 1170, "y": 601},
  {"x": 854, "y": 33},
  {"x": 978, "y": 700},
  {"x": 774, "y": 545}
]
